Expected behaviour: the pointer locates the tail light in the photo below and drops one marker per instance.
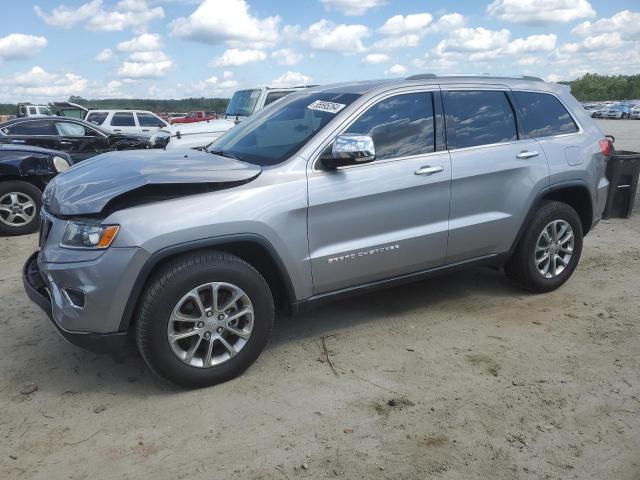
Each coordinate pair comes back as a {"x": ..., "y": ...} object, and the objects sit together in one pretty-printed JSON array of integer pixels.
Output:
[{"x": 605, "y": 147}]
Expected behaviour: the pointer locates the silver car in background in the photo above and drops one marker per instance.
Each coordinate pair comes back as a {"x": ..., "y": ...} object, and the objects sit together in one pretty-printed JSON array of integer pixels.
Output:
[{"x": 328, "y": 192}]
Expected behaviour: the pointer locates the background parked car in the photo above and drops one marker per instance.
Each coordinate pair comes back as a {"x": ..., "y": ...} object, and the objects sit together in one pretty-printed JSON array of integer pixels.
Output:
[
  {"x": 24, "y": 172},
  {"x": 29, "y": 110},
  {"x": 78, "y": 138},
  {"x": 196, "y": 116},
  {"x": 617, "y": 111},
  {"x": 635, "y": 112},
  {"x": 127, "y": 121},
  {"x": 243, "y": 104}
]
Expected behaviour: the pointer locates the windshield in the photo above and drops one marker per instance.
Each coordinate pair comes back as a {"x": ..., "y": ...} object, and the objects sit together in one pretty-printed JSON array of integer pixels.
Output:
[
  {"x": 242, "y": 103},
  {"x": 274, "y": 134}
]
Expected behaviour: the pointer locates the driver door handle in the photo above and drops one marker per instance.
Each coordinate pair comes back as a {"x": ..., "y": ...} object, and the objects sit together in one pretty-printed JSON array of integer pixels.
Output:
[
  {"x": 527, "y": 154},
  {"x": 429, "y": 170}
]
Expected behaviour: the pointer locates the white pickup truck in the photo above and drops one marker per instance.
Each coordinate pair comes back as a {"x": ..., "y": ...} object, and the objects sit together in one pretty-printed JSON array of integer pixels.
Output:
[{"x": 243, "y": 103}]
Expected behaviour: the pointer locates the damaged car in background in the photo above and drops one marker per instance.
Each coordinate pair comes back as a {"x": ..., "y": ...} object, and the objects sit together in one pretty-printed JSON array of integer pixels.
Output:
[
  {"x": 24, "y": 173},
  {"x": 78, "y": 138}
]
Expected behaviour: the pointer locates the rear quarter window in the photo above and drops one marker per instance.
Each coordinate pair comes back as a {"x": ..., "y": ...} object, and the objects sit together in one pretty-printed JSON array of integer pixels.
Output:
[
  {"x": 123, "y": 119},
  {"x": 543, "y": 115},
  {"x": 478, "y": 117}
]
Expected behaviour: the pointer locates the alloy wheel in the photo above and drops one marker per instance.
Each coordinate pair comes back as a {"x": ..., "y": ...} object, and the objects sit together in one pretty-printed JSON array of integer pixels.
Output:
[
  {"x": 17, "y": 209},
  {"x": 210, "y": 324},
  {"x": 554, "y": 248}
]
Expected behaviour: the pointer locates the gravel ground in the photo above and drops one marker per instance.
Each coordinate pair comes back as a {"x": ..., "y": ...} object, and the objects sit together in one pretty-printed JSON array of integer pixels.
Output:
[{"x": 463, "y": 376}]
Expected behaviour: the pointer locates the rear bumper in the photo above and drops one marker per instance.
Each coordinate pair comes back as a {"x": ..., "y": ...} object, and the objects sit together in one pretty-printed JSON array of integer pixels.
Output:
[{"x": 38, "y": 291}]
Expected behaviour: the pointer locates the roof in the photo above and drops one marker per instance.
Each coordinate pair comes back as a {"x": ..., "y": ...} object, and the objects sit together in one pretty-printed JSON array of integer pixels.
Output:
[{"x": 515, "y": 81}]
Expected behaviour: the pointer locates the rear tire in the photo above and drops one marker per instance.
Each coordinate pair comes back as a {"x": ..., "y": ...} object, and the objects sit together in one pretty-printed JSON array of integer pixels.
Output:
[
  {"x": 207, "y": 351},
  {"x": 20, "y": 205},
  {"x": 543, "y": 261}
]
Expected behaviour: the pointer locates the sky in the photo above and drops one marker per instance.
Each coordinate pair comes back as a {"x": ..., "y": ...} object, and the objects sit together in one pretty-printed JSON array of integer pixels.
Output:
[{"x": 51, "y": 49}]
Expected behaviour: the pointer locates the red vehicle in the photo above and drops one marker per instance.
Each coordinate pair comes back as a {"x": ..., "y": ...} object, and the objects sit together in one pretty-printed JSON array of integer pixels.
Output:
[{"x": 196, "y": 116}]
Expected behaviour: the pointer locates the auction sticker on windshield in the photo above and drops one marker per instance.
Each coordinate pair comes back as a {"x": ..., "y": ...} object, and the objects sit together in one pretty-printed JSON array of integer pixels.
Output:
[{"x": 328, "y": 107}]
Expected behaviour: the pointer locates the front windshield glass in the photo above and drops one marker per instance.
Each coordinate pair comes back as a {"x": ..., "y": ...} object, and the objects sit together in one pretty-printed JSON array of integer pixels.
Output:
[
  {"x": 278, "y": 132},
  {"x": 242, "y": 103}
]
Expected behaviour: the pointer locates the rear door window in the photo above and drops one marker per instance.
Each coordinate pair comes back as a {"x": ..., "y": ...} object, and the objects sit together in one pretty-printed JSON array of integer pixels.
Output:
[
  {"x": 478, "y": 117},
  {"x": 543, "y": 115},
  {"x": 97, "y": 117},
  {"x": 400, "y": 126},
  {"x": 34, "y": 127},
  {"x": 148, "y": 120},
  {"x": 123, "y": 119}
]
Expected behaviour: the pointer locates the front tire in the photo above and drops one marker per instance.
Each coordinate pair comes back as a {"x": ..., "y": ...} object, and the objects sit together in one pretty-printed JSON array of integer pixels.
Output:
[
  {"x": 20, "y": 204},
  {"x": 549, "y": 250},
  {"x": 203, "y": 319}
]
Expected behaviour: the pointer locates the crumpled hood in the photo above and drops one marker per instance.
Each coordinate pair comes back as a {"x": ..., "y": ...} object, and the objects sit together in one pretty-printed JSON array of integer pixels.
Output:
[{"x": 88, "y": 186}]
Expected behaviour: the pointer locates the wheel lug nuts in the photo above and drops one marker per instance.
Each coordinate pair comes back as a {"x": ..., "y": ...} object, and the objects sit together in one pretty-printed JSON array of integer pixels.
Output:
[
  {"x": 200, "y": 324},
  {"x": 220, "y": 330},
  {"x": 207, "y": 334},
  {"x": 209, "y": 314},
  {"x": 221, "y": 317}
]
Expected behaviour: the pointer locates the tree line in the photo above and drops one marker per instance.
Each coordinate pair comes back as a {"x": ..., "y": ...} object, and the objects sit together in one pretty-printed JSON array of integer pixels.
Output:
[
  {"x": 218, "y": 105},
  {"x": 589, "y": 87}
]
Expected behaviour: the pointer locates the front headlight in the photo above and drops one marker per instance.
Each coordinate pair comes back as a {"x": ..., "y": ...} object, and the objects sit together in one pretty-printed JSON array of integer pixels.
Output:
[
  {"x": 84, "y": 235},
  {"x": 60, "y": 164}
]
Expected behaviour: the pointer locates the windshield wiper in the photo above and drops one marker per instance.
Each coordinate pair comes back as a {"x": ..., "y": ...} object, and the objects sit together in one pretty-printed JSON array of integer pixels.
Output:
[{"x": 224, "y": 154}]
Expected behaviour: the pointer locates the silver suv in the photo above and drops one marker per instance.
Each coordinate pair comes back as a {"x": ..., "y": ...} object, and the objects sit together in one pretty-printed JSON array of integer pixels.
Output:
[{"x": 329, "y": 192}]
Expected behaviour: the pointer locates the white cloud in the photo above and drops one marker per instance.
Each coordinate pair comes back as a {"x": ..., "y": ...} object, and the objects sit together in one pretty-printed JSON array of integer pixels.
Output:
[
  {"x": 137, "y": 70},
  {"x": 227, "y": 74},
  {"x": 374, "y": 58},
  {"x": 37, "y": 83},
  {"x": 626, "y": 23},
  {"x": 396, "y": 69},
  {"x": 605, "y": 41},
  {"x": 474, "y": 40},
  {"x": 17, "y": 46},
  {"x": 345, "y": 39},
  {"x": 448, "y": 22},
  {"x": 352, "y": 7},
  {"x": 135, "y": 14},
  {"x": 401, "y": 25},
  {"x": 540, "y": 11},
  {"x": 235, "y": 57},
  {"x": 291, "y": 79},
  {"x": 104, "y": 56},
  {"x": 392, "y": 43},
  {"x": 149, "y": 57},
  {"x": 143, "y": 43},
  {"x": 534, "y": 43},
  {"x": 287, "y": 56},
  {"x": 219, "y": 21}
]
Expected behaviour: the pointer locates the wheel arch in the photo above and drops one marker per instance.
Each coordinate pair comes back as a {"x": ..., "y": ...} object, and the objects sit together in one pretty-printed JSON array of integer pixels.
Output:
[
  {"x": 252, "y": 248},
  {"x": 573, "y": 193}
]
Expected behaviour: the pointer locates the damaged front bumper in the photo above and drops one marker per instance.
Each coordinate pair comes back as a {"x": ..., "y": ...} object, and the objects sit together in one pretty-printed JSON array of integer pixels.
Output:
[{"x": 38, "y": 289}]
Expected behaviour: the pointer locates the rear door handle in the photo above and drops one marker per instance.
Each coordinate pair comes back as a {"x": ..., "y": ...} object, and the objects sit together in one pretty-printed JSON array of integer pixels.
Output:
[
  {"x": 65, "y": 143},
  {"x": 429, "y": 170},
  {"x": 17, "y": 141},
  {"x": 117, "y": 129},
  {"x": 527, "y": 154},
  {"x": 145, "y": 129}
]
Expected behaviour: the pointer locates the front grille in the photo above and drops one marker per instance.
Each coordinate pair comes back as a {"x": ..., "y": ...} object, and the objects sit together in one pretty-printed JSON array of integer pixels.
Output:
[{"x": 45, "y": 227}]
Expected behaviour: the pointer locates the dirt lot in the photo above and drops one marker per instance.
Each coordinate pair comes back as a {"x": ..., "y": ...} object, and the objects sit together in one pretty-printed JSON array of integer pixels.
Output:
[{"x": 464, "y": 376}]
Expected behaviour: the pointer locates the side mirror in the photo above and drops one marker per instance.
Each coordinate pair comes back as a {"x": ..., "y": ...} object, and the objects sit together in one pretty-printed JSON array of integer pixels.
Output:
[{"x": 350, "y": 149}]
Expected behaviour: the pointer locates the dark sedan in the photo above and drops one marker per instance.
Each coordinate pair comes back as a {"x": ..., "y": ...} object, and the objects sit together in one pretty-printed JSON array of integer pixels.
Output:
[
  {"x": 24, "y": 172},
  {"x": 78, "y": 138}
]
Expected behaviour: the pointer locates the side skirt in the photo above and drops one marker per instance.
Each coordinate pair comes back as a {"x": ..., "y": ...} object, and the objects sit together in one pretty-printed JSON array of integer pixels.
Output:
[{"x": 493, "y": 260}]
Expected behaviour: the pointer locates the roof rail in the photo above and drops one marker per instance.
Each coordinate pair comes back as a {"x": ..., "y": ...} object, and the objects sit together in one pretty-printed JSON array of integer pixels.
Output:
[{"x": 431, "y": 76}]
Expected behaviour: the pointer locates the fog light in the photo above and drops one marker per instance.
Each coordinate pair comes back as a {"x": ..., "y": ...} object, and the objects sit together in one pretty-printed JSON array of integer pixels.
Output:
[{"x": 74, "y": 297}]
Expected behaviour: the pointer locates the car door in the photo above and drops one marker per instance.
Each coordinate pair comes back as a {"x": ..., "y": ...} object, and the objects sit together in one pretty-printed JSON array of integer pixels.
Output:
[
  {"x": 33, "y": 131},
  {"x": 79, "y": 140},
  {"x": 123, "y": 122},
  {"x": 149, "y": 123},
  {"x": 389, "y": 217},
  {"x": 496, "y": 172}
]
